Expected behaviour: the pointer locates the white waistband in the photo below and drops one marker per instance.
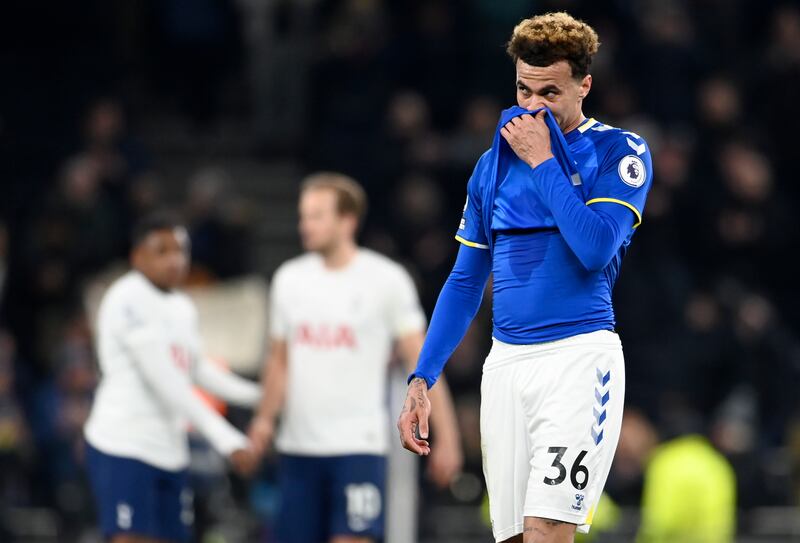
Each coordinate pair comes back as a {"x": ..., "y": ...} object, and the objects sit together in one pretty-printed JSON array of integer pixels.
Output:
[{"x": 503, "y": 353}]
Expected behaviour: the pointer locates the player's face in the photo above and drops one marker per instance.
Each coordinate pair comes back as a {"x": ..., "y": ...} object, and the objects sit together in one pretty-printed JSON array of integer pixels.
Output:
[
  {"x": 552, "y": 86},
  {"x": 163, "y": 257},
  {"x": 321, "y": 225}
]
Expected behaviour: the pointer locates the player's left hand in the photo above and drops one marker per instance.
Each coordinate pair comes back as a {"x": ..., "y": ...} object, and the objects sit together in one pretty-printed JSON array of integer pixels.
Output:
[
  {"x": 529, "y": 137},
  {"x": 413, "y": 421}
]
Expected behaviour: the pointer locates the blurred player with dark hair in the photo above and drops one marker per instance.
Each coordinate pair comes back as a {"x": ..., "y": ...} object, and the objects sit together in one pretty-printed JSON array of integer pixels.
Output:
[
  {"x": 335, "y": 313},
  {"x": 553, "y": 384},
  {"x": 150, "y": 356}
]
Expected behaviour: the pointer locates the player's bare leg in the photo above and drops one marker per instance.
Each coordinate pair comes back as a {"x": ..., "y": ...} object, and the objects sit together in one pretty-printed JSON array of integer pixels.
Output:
[
  {"x": 545, "y": 530},
  {"x": 350, "y": 539}
]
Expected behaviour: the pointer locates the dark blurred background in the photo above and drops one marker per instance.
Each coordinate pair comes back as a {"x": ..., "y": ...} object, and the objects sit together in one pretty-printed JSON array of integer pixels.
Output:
[{"x": 111, "y": 108}]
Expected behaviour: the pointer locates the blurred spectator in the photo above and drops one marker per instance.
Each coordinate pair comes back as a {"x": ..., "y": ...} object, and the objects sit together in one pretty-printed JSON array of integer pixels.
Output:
[
  {"x": 119, "y": 156},
  {"x": 668, "y": 40},
  {"x": 16, "y": 446},
  {"x": 217, "y": 221},
  {"x": 60, "y": 410},
  {"x": 719, "y": 106},
  {"x": 474, "y": 133},
  {"x": 638, "y": 438}
]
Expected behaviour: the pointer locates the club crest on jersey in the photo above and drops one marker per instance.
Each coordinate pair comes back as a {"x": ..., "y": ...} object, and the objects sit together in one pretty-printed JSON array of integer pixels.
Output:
[{"x": 632, "y": 171}]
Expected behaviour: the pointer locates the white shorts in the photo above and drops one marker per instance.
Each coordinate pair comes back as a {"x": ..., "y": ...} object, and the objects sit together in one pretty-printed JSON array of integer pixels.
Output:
[{"x": 550, "y": 421}]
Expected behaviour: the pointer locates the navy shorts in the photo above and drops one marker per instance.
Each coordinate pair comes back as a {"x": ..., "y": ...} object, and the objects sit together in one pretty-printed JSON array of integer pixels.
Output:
[
  {"x": 322, "y": 497},
  {"x": 133, "y": 497}
]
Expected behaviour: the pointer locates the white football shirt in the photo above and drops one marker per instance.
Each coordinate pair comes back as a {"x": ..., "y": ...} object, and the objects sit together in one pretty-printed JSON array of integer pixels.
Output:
[
  {"x": 340, "y": 326},
  {"x": 149, "y": 352}
]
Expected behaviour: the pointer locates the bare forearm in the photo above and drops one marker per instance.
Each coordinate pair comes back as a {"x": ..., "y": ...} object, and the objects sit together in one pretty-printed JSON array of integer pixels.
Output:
[
  {"x": 274, "y": 383},
  {"x": 274, "y": 387}
]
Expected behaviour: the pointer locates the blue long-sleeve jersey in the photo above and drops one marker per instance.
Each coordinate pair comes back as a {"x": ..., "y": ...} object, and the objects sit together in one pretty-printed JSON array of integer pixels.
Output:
[{"x": 554, "y": 246}]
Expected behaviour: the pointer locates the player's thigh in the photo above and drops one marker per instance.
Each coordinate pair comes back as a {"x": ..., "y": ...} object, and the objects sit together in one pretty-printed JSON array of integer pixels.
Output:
[
  {"x": 543, "y": 530},
  {"x": 504, "y": 441},
  {"x": 358, "y": 497},
  {"x": 125, "y": 492},
  {"x": 303, "y": 512},
  {"x": 537, "y": 530},
  {"x": 574, "y": 428}
]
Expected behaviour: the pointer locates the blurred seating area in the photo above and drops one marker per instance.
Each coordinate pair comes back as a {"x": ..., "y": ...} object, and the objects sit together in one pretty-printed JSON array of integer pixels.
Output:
[{"x": 217, "y": 108}]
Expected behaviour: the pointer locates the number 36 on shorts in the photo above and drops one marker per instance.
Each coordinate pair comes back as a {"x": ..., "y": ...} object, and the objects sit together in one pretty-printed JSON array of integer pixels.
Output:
[{"x": 578, "y": 473}]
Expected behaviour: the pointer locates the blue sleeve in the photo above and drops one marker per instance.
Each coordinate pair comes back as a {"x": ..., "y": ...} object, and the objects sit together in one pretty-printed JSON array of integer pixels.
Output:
[
  {"x": 625, "y": 176},
  {"x": 457, "y": 305},
  {"x": 471, "y": 231},
  {"x": 595, "y": 233}
]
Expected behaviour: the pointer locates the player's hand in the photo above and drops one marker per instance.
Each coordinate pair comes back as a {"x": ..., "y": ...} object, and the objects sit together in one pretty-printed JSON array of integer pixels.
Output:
[
  {"x": 245, "y": 462},
  {"x": 261, "y": 433},
  {"x": 529, "y": 137},
  {"x": 445, "y": 462},
  {"x": 413, "y": 421}
]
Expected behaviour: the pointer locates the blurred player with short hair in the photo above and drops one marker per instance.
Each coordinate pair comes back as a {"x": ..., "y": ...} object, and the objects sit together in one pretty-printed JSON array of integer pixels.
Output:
[
  {"x": 553, "y": 384},
  {"x": 150, "y": 356},
  {"x": 335, "y": 313}
]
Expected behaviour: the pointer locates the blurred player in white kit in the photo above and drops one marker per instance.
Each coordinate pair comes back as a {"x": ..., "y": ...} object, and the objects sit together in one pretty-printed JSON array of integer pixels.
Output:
[
  {"x": 336, "y": 313},
  {"x": 150, "y": 355}
]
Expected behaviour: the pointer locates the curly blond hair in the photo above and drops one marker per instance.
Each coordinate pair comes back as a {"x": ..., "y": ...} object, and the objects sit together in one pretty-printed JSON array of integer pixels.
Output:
[{"x": 548, "y": 38}]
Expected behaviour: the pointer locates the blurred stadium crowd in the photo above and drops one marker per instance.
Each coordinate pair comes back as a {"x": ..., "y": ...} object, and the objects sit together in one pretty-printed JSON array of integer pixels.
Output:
[{"x": 404, "y": 96}]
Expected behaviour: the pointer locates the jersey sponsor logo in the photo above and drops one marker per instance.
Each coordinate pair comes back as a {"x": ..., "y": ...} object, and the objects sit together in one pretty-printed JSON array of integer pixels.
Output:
[
  {"x": 323, "y": 336},
  {"x": 632, "y": 171}
]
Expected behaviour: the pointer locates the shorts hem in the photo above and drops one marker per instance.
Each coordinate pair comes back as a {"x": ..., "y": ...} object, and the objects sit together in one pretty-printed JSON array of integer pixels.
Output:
[{"x": 556, "y": 514}]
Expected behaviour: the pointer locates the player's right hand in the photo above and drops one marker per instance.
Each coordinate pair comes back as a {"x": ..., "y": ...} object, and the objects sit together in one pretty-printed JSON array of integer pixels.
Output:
[
  {"x": 245, "y": 462},
  {"x": 261, "y": 433},
  {"x": 413, "y": 421}
]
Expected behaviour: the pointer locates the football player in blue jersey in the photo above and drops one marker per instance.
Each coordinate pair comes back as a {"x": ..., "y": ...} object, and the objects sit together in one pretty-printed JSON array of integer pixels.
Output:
[{"x": 550, "y": 212}]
